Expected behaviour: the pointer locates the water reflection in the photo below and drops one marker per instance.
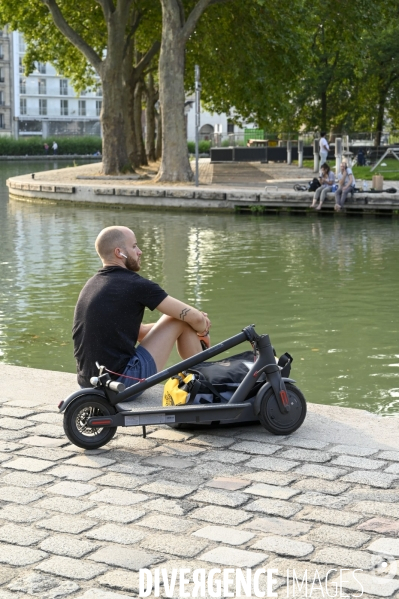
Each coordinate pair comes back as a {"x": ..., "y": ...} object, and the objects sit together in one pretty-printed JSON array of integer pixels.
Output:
[{"x": 323, "y": 289}]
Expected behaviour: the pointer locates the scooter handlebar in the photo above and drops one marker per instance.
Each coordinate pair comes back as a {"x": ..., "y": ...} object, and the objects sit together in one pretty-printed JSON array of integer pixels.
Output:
[{"x": 115, "y": 386}]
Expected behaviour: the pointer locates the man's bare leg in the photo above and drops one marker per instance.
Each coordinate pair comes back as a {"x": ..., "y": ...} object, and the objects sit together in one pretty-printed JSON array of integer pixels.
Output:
[{"x": 159, "y": 341}]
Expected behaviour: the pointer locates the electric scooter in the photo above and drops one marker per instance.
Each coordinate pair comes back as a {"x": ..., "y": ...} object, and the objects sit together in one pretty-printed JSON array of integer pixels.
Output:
[{"x": 92, "y": 416}]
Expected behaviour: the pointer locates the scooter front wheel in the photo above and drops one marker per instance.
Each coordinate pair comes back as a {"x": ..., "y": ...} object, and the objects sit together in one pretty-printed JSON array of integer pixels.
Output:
[
  {"x": 272, "y": 418},
  {"x": 76, "y": 417}
]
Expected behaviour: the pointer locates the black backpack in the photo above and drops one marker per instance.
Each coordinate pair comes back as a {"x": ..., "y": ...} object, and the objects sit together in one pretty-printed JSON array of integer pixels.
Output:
[{"x": 314, "y": 184}]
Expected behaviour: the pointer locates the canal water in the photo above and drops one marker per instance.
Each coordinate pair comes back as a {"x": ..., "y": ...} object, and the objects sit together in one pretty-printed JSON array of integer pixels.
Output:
[{"x": 325, "y": 289}]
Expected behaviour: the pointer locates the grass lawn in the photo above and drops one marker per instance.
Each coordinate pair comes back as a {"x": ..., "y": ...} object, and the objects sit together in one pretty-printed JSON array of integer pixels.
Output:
[{"x": 363, "y": 172}]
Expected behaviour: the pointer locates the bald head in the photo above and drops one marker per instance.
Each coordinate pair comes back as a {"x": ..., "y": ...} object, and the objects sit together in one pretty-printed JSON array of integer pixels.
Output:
[{"x": 111, "y": 238}]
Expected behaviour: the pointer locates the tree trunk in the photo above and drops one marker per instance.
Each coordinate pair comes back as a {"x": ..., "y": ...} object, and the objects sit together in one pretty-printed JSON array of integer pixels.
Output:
[
  {"x": 379, "y": 126},
  {"x": 152, "y": 97},
  {"x": 175, "y": 165},
  {"x": 158, "y": 145},
  {"x": 323, "y": 123},
  {"x": 138, "y": 123}
]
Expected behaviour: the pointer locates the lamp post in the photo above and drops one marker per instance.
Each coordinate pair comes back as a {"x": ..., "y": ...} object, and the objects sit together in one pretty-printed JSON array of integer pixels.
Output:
[{"x": 197, "y": 121}]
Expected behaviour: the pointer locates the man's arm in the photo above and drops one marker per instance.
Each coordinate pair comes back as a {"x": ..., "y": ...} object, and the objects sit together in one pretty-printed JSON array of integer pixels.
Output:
[{"x": 181, "y": 311}]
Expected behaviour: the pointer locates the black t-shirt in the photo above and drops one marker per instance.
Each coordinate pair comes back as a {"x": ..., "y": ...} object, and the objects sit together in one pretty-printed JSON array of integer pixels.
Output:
[{"x": 107, "y": 319}]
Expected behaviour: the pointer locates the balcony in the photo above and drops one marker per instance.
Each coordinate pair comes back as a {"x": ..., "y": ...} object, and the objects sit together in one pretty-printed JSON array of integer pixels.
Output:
[{"x": 2, "y": 79}]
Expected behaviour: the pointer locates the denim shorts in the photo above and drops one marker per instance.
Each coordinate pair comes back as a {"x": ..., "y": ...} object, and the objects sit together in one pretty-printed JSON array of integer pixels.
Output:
[{"x": 140, "y": 366}]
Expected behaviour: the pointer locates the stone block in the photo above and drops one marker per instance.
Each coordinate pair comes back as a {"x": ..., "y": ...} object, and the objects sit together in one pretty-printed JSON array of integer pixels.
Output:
[
  {"x": 180, "y": 546},
  {"x": 227, "y": 556},
  {"x": 274, "y": 464},
  {"x": 44, "y": 441},
  {"x": 307, "y": 455},
  {"x": 223, "y": 456},
  {"x": 69, "y": 524},
  {"x": 338, "y": 535},
  {"x": 285, "y": 546},
  {"x": 151, "y": 193},
  {"x": 21, "y": 535},
  {"x": 179, "y": 449},
  {"x": 325, "y": 486},
  {"x": 273, "y": 507},
  {"x": 220, "y": 515},
  {"x": 124, "y": 580},
  {"x": 219, "y": 497},
  {"x": 272, "y": 491},
  {"x": 167, "y": 523},
  {"x": 68, "y": 505},
  {"x": 211, "y": 469},
  {"x": 42, "y": 586},
  {"x": 255, "y": 448},
  {"x": 222, "y": 534},
  {"x": 211, "y": 441},
  {"x": 271, "y": 478},
  {"x": 376, "y": 508},
  {"x": 104, "y": 191},
  {"x": 392, "y": 469},
  {"x": 170, "y": 462},
  {"x": 304, "y": 443},
  {"x": 119, "y": 480},
  {"x": 129, "y": 442},
  {"x": 115, "y": 534},
  {"x": 381, "y": 525},
  {"x": 361, "y": 452},
  {"x": 170, "y": 435},
  {"x": 67, "y": 546},
  {"x": 100, "y": 594},
  {"x": 373, "y": 479},
  {"x": 48, "y": 430},
  {"x": 389, "y": 455},
  {"x": 118, "y": 497},
  {"x": 278, "y": 526},
  {"x": 366, "y": 585},
  {"x": 71, "y": 489},
  {"x": 45, "y": 453},
  {"x": 356, "y": 462},
  {"x": 15, "y": 555},
  {"x": 390, "y": 496},
  {"x": 313, "y": 498},
  {"x": 64, "y": 189},
  {"x": 241, "y": 196},
  {"x": 89, "y": 461},
  {"x": 385, "y": 546},
  {"x": 229, "y": 484},
  {"x": 126, "y": 191},
  {"x": 28, "y": 464},
  {"x": 15, "y": 495},
  {"x": 345, "y": 558},
  {"x": 123, "y": 515},
  {"x": 317, "y": 471},
  {"x": 287, "y": 567},
  {"x": 329, "y": 516},
  {"x": 179, "y": 193},
  {"x": 15, "y": 412},
  {"x": 48, "y": 188},
  {"x": 20, "y": 513},
  {"x": 14, "y": 424},
  {"x": 210, "y": 195},
  {"x": 69, "y": 567},
  {"x": 170, "y": 506},
  {"x": 163, "y": 487},
  {"x": 125, "y": 557},
  {"x": 76, "y": 473}
]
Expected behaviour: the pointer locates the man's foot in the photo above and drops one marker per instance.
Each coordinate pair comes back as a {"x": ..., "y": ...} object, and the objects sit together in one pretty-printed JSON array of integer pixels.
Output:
[{"x": 205, "y": 341}]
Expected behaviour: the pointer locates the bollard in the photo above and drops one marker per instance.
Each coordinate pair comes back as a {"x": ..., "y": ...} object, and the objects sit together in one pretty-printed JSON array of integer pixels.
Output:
[
  {"x": 338, "y": 155},
  {"x": 289, "y": 152},
  {"x": 300, "y": 153},
  {"x": 316, "y": 148}
]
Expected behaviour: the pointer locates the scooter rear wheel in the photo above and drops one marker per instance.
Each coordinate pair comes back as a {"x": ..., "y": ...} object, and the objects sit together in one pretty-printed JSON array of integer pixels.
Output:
[
  {"x": 283, "y": 424},
  {"x": 76, "y": 417}
]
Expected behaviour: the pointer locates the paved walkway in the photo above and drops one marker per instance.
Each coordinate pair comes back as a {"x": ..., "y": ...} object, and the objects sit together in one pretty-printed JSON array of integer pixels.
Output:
[{"x": 81, "y": 524}]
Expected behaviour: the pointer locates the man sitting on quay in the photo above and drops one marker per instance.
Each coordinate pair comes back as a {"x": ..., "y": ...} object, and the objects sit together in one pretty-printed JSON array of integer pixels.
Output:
[
  {"x": 109, "y": 313},
  {"x": 346, "y": 184}
]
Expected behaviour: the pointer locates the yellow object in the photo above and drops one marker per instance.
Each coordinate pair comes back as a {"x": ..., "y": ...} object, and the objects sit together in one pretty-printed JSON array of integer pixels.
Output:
[{"x": 177, "y": 389}]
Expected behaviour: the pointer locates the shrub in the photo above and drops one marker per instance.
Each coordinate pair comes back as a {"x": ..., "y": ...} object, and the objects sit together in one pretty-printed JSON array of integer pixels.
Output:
[
  {"x": 203, "y": 147},
  {"x": 34, "y": 146}
]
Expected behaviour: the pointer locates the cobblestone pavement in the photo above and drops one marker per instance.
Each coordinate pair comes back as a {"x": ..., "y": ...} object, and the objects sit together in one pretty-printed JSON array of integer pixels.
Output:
[{"x": 81, "y": 524}]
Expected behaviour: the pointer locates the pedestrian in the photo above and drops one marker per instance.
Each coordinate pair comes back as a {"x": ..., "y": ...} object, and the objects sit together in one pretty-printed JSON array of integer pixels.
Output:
[
  {"x": 109, "y": 313},
  {"x": 327, "y": 180},
  {"x": 324, "y": 148},
  {"x": 46, "y": 148},
  {"x": 346, "y": 184},
  {"x": 55, "y": 147}
]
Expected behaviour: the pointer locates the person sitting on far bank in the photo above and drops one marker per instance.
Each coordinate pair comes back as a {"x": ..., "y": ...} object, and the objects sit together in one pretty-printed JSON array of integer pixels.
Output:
[
  {"x": 109, "y": 312},
  {"x": 346, "y": 184},
  {"x": 324, "y": 147},
  {"x": 327, "y": 180}
]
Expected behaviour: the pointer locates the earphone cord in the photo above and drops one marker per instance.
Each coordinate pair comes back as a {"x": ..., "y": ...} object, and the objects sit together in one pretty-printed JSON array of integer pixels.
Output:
[{"x": 125, "y": 375}]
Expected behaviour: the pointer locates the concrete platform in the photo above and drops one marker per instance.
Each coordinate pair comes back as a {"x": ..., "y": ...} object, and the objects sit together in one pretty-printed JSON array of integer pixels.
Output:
[{"x": 81, "y": 524}]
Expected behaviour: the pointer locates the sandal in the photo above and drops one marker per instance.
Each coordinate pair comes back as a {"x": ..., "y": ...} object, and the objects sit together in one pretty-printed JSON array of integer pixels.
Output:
[{"x": 205, "y": 341}]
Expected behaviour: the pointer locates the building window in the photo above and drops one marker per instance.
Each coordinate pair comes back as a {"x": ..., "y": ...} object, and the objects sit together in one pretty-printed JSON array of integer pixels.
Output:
[
  {"x": 2, "y": 121},
  {"x": 2, "y": 102},
  {"x": 22, "y": 106},
  {"x": 1, "y": 75},
  {"x": 22, "y": 86},
  {"x": 64, "y": 107},
  {"x": 82, "y": 107},
  {"x": 84, "y": 92},
  {"x": 63, "y": 87},
  {"x": 41, "y": 67},
  {"x": 22, "y": 46},
  {"x": 41, "y": 86},
  {"x": 99, "y": 91},
  {"x": 43, "y": 107},
  {"x": 1, "y": 52},
  {"x": 99, "y": 105},
  {"x": 230, "y": 127},
  {"x": 21, "y": 66}
]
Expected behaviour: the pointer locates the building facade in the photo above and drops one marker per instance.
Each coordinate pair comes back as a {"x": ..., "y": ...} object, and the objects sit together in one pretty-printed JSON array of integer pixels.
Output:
[
  {"x": 44, "y": 103},
  {"x": 6, "y": 83}
]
